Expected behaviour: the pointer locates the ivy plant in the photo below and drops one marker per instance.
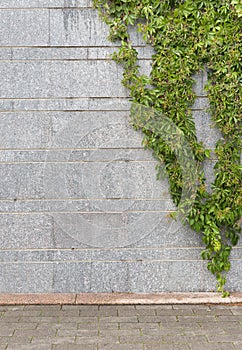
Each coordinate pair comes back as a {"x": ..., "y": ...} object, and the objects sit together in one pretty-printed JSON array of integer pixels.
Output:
[{"x": 188, "y": 35}]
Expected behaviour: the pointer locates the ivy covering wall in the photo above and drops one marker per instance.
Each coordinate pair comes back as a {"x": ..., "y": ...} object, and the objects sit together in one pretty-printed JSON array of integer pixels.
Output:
[{"x": 188, "y": 36}]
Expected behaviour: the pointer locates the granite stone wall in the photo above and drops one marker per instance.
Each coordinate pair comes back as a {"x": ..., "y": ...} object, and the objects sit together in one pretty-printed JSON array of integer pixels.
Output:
[{"x": 80, "y": 207}]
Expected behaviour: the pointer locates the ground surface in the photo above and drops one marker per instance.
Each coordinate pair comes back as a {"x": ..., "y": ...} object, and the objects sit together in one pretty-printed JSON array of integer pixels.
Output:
[{"x": 129, "y": 327}]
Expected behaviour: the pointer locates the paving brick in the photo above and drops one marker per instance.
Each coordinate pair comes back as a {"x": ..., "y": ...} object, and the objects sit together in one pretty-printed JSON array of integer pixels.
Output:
[
  {"x": 18, "y": 325},
  {"x": 6, "y": 331},
  {"x": 154, "y": 319},
  {"x": 22, "y": 313},
  {"x": 6, "y": 320},
  {"x": 184, "y": 339},
  {"x": 113, "y": 325},
  {"x": 229, "y": 318},
  {"x": 80, "y": 319},
  {"x": 166, "y": 347},
  {"x": 92, "y": 340},
  {"x": 93, "y": 326},
  {"x": 60, "y": 313},
  {"x": 74, "y": 347},
  {"x": 189, "y": 306},
  {"x": 178, "y": 312},
  {"x": 108, "y": 311},
  {"x": 155, "y": 307},
  {"x": 141, "y": 339},
  {"x": 39, "y": 319},
  {"x": 162, "y": 331},
  {"x": 35, "y": 332},
  {"x": 139, "y": 325},
  {"x": 225, "y": 338},
  {"x": 196, "y": 319},
  {"x": 192, "y": 331},
  {"x": 236, "y": 310},
  {"x": 53, "y": 340},
  {"x": 115, "y": 319},
  {"x": 21, "y": 340},
  {"x": 121, "y": 347},
  {"x": 213, "y": 311},
  {"x": 29, "y": 347},
  {"x": 120, "y": 332},
  {"x": 196, "y": 345},
  {"x": 58, "y": 326},
  {"x": 140, "y": 312},
  {"x": 77, "y": 332},
  {"x": 42, "y": 308},
  {"x": 108, "y": 340},
  {"x": 11, "y": 308}
]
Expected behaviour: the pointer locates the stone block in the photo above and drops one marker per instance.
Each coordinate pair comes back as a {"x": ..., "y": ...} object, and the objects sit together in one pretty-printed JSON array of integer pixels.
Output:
[
  {"x": 170, "y": 276},
  {"x": 17, "y": 4},
  {"x": 26, "y": 231},
  {"x": 5, "y": 53},
  {"x": 25, "y": 130},
  {"x": 200, "y": 80},
  {"x": 24, "y": 27},
  {"x": 67, "y": 78},
  {"x": 26, "y": 278},
  {"x": 78, "y": 27},
  {"x": 207, "y": 132},
  {"x": 21, "y": 181},
  {"x": 72, "y": 277}
]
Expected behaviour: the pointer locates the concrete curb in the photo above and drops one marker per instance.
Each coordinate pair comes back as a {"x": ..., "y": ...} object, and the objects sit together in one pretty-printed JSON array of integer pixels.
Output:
[{"x": 119, "y": 298}]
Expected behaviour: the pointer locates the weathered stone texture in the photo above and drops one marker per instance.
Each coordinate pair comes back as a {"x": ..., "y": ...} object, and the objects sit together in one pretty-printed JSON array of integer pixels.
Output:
[{"x": 80, "y": 207}]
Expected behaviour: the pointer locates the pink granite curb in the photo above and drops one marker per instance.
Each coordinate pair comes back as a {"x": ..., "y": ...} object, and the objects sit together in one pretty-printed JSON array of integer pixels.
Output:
[{"x": 119, "y": 298}]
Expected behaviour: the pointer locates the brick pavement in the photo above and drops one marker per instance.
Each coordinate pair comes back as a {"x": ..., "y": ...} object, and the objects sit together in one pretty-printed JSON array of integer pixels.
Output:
[{"x": 121, "y": 327}]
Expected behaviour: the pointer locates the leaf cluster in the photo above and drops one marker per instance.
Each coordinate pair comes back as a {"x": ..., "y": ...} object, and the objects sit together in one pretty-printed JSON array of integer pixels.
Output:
[{"x": 188, "y": 35}]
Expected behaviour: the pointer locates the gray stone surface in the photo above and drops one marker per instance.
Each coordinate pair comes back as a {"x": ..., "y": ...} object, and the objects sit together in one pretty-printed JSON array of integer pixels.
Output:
[
  {"x": 77, "y": 28},
  {"x": 22, "y": 28},
  {"x": 22, "y": 277},
  {"x": 206, "y": 130},
  {"x": 80, "y": 207},
  {"x": 16, "y": 4},
  {"x": 26, "y": 231},
  {"x": 84, "y": 205},
  {"x": 200, "y": 80},
  {"x": 47, "y": 79},
  {"x": 68, "y": 53},
  {"x": 66, "y": 104}
]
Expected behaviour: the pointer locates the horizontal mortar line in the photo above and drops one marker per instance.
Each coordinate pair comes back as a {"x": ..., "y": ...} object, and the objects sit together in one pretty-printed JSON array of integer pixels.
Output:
[
  {"x": 74, "y": 110},
  {"x": 102, "y": 261},
  {"x": 68, "y": 149},
  {"x": 48, "y": 46},
  {"x": 98, "y": 249},
  {"x": 79, "y": 161},
  {"x": 82, "y": 199},
  {"x": 87, "y": 212},
  {"x": 63, "y": 110},
  {"x": 64, "y": 98},
  {"x": 76, "y": 47},
  {"x": 46, "y": 8},
  {"x": 62, "y": 60}
]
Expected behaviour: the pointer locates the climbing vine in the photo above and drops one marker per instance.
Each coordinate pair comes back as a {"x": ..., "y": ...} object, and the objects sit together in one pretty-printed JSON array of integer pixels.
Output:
[{"x": 189, "y": 36}]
